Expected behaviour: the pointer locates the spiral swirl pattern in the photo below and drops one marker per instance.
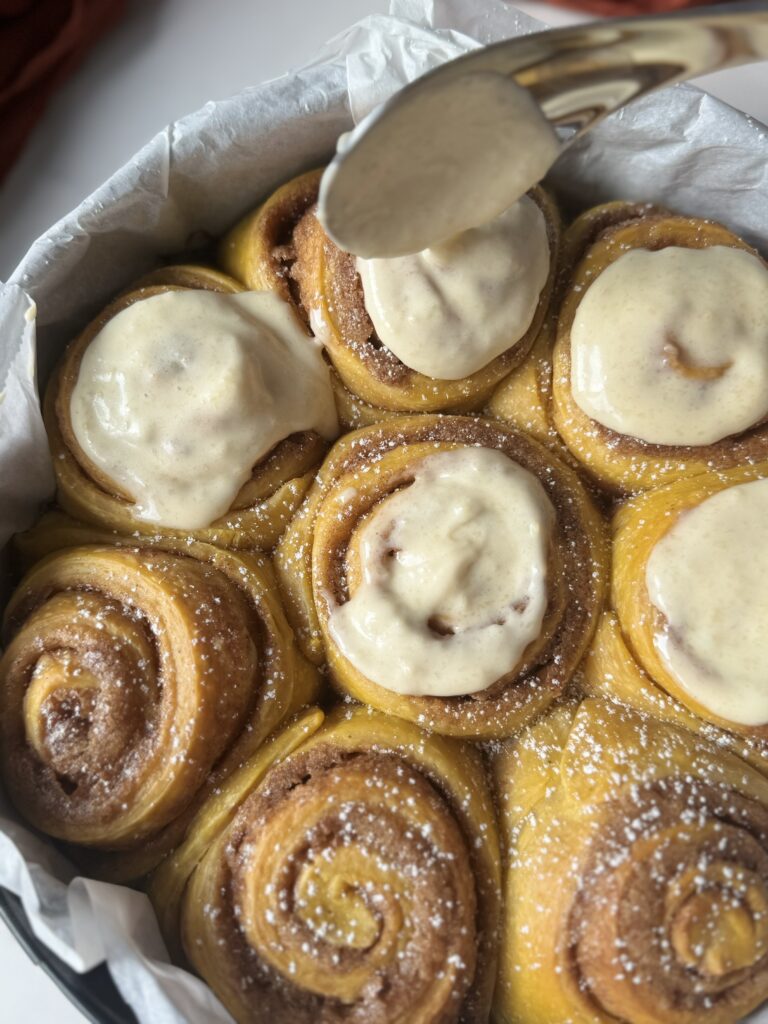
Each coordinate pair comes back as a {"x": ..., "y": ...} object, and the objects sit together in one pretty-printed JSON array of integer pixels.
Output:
[
  {"x": 356, "y": 881},
  {"x": 650, "y": 904},
  {"x": 133, "y": 682},
  {"x": 677, "y": 923}
]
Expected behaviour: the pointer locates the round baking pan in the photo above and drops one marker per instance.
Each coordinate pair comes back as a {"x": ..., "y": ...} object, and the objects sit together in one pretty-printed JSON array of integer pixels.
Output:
[{"x": 93, "y": 993}]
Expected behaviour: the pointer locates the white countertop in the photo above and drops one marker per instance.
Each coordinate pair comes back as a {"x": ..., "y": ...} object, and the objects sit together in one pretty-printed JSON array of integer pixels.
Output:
[{"x": 166, "y": 59}]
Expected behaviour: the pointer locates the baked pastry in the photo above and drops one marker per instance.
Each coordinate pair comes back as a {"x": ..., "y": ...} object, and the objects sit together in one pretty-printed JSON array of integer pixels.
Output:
[
  {"x": 134, "y": 681},
  {"x": 118, "y": 463},
  {"x": 684, "y": 633},
  {"x": 659, "y": 366},
  {"x": 449, "y": 569},
  {"x": 395, "y": 339},
  {"x": 349, "y": 872},
  {"x": 636, "y": 886}
]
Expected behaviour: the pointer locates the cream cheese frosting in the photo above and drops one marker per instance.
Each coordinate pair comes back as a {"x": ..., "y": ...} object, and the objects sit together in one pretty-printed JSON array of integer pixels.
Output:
[
  {"x": 708, "y": 576},
  {"x": 179, "y": 395},
  {"x": 453, "y": 587},
  {"x": 671, "y": 346},
  {"x": 450, "y": 310}
]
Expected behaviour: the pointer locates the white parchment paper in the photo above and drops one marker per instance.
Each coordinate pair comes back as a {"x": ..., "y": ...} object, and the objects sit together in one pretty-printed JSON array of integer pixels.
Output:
[{"x": 679, "y": 147}]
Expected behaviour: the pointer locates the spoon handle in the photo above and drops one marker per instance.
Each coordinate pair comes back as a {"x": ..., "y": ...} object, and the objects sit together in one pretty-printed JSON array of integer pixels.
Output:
[{"x": 581, "y": 73}]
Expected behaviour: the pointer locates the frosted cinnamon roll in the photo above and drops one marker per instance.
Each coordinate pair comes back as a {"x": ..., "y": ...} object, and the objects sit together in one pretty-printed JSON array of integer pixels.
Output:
[
  {"x": 190, "y": 411},
  {"x": 660, "y": 367},
  {"x": 636, "y": 884},
  {"x": 433, "y": 331},
  {"x": 349, "y": 872},
  {"x": 689, "y": 599},
  {"x": 449, "y": 570},
  {"x": 133, "y": 683}
]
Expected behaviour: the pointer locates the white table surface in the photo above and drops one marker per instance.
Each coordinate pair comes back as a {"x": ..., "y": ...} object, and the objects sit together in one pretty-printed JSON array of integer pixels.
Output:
[{"x": 166, "y": 59}]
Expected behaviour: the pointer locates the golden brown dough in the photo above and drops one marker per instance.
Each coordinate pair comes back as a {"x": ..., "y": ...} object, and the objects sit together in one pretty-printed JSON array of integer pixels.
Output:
[
  {"x": 636, "y": 885},
  {"x": 623, "y": 661},
  {"x": 349, "y": 872},
  {"x": 134, "y": 681}
]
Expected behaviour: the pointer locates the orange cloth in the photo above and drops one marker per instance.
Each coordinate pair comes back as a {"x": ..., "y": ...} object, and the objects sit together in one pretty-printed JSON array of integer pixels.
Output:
[
  {"x": 41, "y": 42},
  {"x": 617, "y": 8}
]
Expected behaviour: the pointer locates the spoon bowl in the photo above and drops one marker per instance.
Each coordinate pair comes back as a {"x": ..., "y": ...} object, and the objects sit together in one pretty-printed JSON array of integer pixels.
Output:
[{"x": 432, "y": 152}]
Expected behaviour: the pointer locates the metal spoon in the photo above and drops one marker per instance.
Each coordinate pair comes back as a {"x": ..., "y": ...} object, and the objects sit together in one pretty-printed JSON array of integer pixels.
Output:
[{"x": 575, "y": 76}]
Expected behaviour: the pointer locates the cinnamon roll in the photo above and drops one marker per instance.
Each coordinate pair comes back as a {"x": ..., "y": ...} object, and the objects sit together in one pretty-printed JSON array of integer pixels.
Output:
[
  {"x": 636, "y": 883},
  {"x": 684, "y": 633},
  {"x": 133, "y": 683},
  {"x": 350, "y": 872},
  {"x": 660, "y": 366},
  {"x": 423, "y": 333},
  {"x": 449, "y": 569},
  {"x": 189, "y": 407}
]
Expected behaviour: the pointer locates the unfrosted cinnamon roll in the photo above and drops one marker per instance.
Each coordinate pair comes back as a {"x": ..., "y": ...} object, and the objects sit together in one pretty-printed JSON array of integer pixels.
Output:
[
  {"x": 423, "y": 333},
  {"x": 449, "y": 569},
  {"x": 189, "y": 407},
  {"x": 684, "y": 633},
  {"x": 349, "y": 872},
  {"x": 636, "y": 884},
  {"x": 133, "y": 683}
]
